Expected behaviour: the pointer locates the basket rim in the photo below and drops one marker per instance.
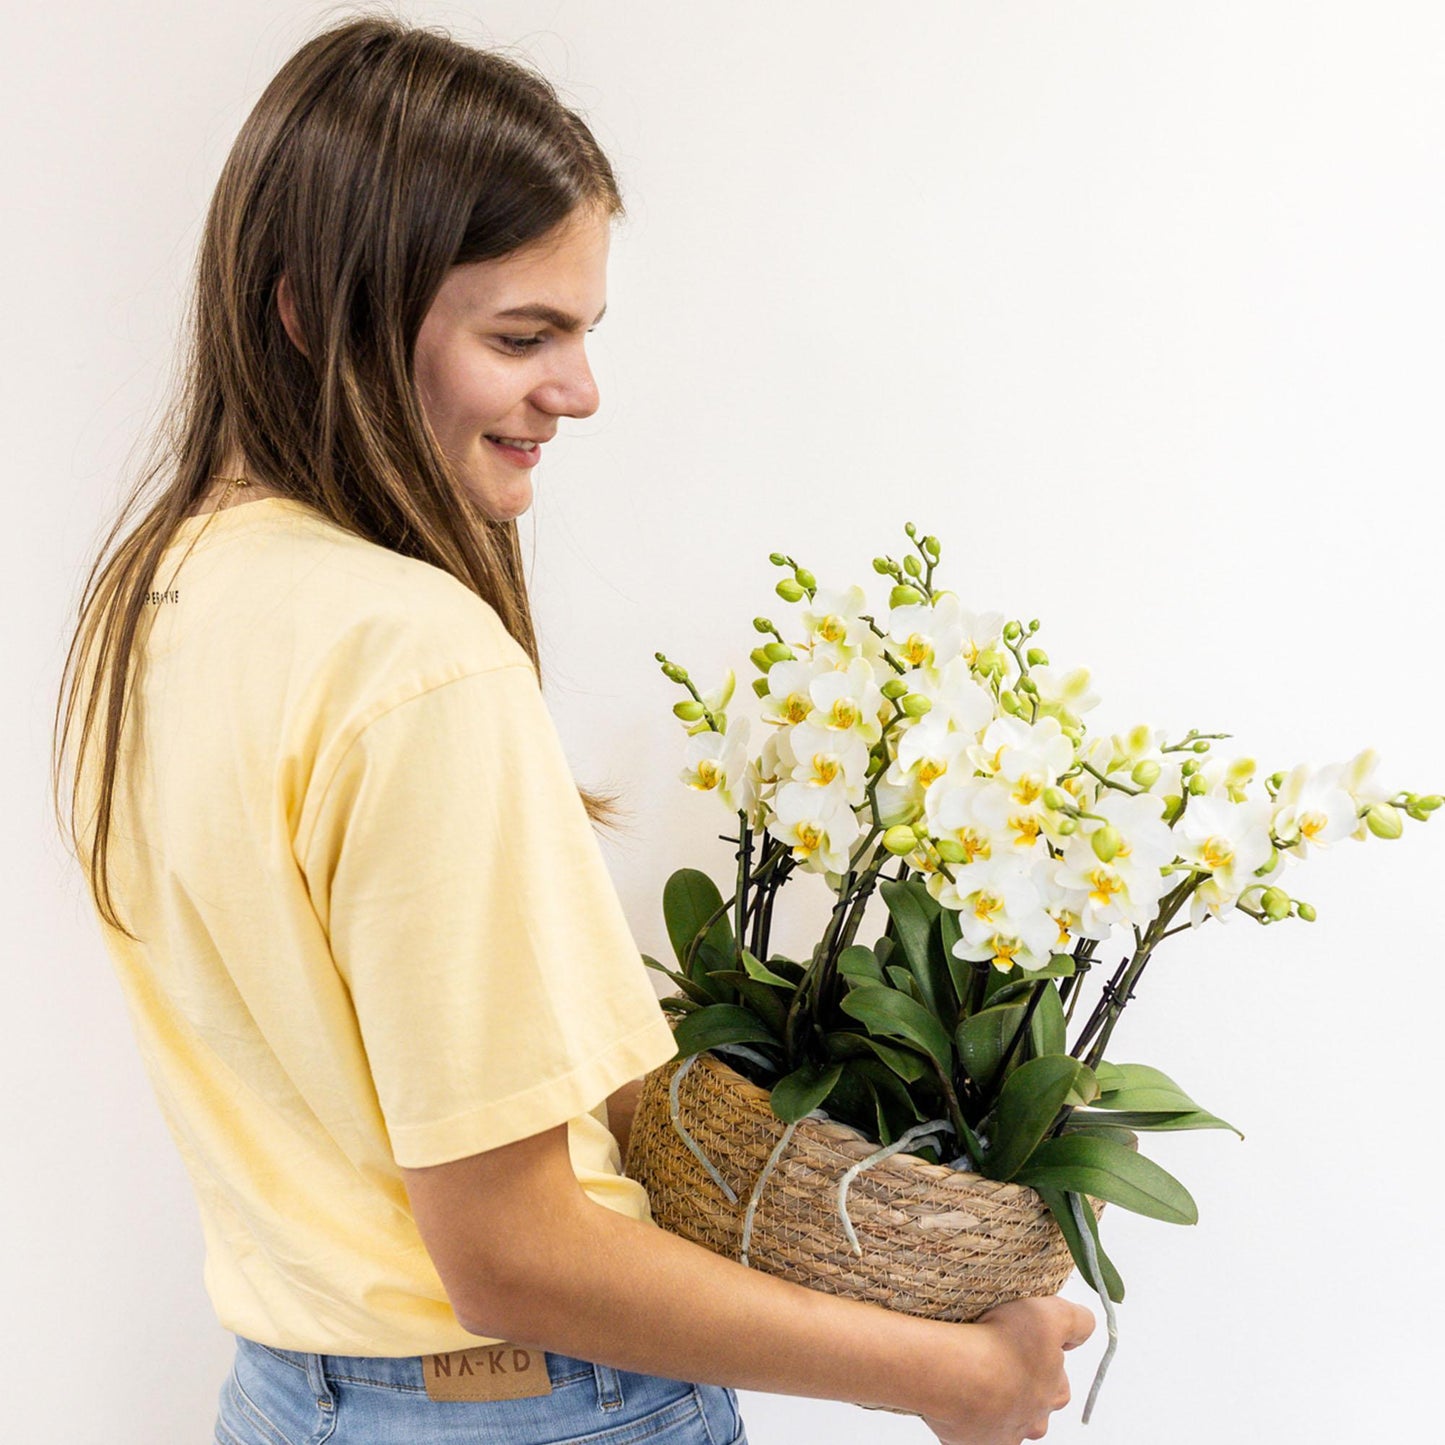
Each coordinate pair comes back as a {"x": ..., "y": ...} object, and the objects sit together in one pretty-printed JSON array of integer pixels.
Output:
[{"x": 848, "y": 1140}]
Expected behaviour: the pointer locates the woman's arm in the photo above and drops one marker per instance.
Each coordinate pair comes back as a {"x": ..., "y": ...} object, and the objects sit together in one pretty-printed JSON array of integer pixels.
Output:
[
  {"x": 621, "y": 1107},
  {"x": 526, "y": 1256}
]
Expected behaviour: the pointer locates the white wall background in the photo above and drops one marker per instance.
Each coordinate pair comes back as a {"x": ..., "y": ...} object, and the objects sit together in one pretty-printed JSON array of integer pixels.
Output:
[{"x": 1137, "y": 306}]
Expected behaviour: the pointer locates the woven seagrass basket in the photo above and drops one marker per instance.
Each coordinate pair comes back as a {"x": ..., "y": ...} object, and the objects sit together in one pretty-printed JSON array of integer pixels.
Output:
[{"x": 935, "y": 1242}]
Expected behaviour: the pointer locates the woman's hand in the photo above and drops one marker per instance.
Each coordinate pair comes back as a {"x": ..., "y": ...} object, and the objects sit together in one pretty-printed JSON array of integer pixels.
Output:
[{"x": 1022, "y": 1381}]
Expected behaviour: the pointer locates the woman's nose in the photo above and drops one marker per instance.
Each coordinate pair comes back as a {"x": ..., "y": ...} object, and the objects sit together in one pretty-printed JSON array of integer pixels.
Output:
[{"x": 572, "y": 390}]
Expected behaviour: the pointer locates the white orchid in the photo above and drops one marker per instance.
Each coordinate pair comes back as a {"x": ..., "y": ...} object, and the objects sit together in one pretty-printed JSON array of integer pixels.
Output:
[
  {"x": 719, "y": 761},
  {"x": 816, "y": 823},
  {"x": 847, "y": 700},
  {"x": 836, "y": 631},
  {"x": 1127, "y": 888},
  {"x": 1001, "y": 913},
  {"x": 1312, "y": 808},
  {"x": 828, "y": 755},
  {"x": 927, "y": 635},
  {"x": 1230, "y": 841}
]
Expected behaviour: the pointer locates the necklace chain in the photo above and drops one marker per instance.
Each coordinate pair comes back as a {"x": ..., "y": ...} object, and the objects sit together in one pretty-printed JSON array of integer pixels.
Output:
[{"x": 230, "y": 482}]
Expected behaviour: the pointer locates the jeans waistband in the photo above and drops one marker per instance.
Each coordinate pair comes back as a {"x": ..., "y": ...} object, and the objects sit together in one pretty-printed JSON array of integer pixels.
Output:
[{"x": 404, "y": 1372}]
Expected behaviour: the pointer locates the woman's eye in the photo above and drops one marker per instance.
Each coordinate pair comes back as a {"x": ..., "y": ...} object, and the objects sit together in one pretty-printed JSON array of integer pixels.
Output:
[{"x": 519, "y": 345}]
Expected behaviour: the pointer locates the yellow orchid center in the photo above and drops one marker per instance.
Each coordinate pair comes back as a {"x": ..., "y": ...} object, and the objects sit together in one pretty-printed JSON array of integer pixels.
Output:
[
  {"x": 1003, "y": 952},
  {"x": 809, "y": 837},
  {"x": 1217, "y": 853},
  {"x": 797, "y": 707},
  {"x": 985, "y": 905},
  {"x": 917, "y": 651},
  {"x": 832, "y": 628},
  {"x": 1106, "y": 883},
  {"x": 929, "y": 769},
  {"x": 1026, "y": 830},
  {"x": 973, "y": 844},
  {"x": 845, "y": 714},
  {"x": 825, "y": 767},
  {"x": 709, "y": 774},
  {"x": 1312, "y": 823},
  {"x": 1027, "y": 789}
]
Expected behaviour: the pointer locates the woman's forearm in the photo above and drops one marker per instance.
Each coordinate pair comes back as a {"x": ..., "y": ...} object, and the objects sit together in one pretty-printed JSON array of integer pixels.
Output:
[{"x": 630, "y": 1295}]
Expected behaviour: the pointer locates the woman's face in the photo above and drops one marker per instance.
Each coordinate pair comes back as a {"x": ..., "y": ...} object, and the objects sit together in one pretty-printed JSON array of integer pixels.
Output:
[{"x": 501, "y": 357}]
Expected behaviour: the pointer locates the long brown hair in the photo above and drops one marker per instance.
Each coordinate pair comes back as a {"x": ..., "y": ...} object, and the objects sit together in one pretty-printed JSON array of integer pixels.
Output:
[{"x": 380, "y": 155}]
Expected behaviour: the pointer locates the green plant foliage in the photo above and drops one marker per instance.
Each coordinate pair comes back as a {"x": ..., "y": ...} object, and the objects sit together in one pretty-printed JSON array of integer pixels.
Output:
[
  {"x": 719, "y": 1023},
  {"x": 689, "y": 899},
  {"x": 885, "y": 1011},
  {"x": 1112, "y": 1171}
]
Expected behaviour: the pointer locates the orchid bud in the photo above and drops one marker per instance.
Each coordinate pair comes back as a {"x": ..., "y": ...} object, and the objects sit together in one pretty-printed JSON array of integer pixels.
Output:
[
  {"x": 1146, "y": 772},
  {"x": 951, "y": 850},
  {"x": 894, "y": 688},
  {"x": 930, "y": 545},
  {"x": 1173, "y": 806},
  {"x": 1106, "y": 843},
  {"x": 688, "y": 710},
  {"x": 1009, "y": 702},
  {"x": 1197, "y": 786},
  {"x": 904, "y": 596},
  {"x": 1269, "y": 864},
  {"x": 789, "y": 590},
  {"x": 900, "y": 841},
  {"x": 1275, "y": 902},
  {"x": 1202, "y": 746},
  {"x": 1189, "y": 767},
  {"x": 1429, "y": 802},
  {"x": 1037, "y": 657},
  {"x": 1384, "y": 821},
  {"x": 1275, "y": 780},
  {"x": 1306, "y": 911},
  {"x": 910, "y": 529},
  {"x": 1011, "y": 631},
  {"x": 805, "y": 578},
  {"x": 762, "y": 624},
  {"x": 779, "y": 652},
  {"x": 1034, "y": 625},
  {"x": 1028, "y": 685},
  {"x": 760, "y": 659},
  {"x": 882, "y": 566},
  {"x": 912, "y": 566},
  {"x": 1068, "y": 827},
  {"x": 673, "y": 672},
  {"x": 777, "y": 559},
  {"x": 1057, "y": 799},
  {"x": 915, "y": 704}
]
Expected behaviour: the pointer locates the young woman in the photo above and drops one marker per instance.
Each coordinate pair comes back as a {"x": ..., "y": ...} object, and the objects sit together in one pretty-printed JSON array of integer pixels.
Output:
[{"x": 382, "y": 985}]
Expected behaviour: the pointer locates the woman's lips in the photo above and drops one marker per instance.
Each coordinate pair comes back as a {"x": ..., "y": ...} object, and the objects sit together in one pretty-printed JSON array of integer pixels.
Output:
[{"x": 516, "y": 455}]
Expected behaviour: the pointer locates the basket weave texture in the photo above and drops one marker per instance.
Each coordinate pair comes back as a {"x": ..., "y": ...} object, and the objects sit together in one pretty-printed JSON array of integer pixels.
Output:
[{"x": 936, "y": 1242}]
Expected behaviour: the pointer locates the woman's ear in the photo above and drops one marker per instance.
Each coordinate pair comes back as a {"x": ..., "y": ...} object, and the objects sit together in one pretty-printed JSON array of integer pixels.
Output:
[{"x": 287, "y": 306}]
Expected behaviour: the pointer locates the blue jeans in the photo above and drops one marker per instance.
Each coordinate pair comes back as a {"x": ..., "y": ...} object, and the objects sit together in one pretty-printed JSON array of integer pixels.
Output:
[{"x": 282, "y": 1397}]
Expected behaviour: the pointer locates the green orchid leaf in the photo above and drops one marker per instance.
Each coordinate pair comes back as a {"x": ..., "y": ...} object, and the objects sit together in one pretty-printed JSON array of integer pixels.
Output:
[
  {"x": 1139, "y": 1089},
  {"x": 859, "y": 961},
  {"x": 764, "y": 1000},
  {"x": 913, "y": 911},
  {"x": 699, "y": 993},
  {"x": 903, "y": 980},
  {"x": 1157, "y": 1121},
  {"x": 984, "y": 1038},
  {"x": 801, "y": 1092},
  {"x": 719, "y": 1023},
  {"x": 960, "y": 970},
  {"x": 1046, "y": 1028},
  {"x": 1028, "y": 1104},
  {"x": 757, "y": 969},
  {"x": 689, "y": 899},
  {"x": 885, "y": 1011},
  {"x": 676, "y": 1005},
  {"x": 1110, "y": 1076},
  {"x": 1104, "y": 1169},
  {"x": 1060, "y": 1207}
]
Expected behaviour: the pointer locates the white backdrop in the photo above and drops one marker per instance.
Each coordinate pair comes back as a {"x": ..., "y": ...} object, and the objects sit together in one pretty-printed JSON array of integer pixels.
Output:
[{"x": 1137, "y": 306}]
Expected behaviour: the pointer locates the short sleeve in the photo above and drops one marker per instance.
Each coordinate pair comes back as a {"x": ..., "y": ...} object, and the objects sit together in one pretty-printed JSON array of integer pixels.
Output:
[{"x": 497, "y": 987}]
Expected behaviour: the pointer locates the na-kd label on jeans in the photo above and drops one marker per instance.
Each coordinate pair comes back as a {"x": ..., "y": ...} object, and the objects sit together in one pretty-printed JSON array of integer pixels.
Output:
[{"x": 489, "y": 1372}]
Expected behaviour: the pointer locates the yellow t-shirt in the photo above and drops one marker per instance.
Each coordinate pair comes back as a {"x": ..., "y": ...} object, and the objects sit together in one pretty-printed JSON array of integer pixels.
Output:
[{"x": 377, "y": 927}]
